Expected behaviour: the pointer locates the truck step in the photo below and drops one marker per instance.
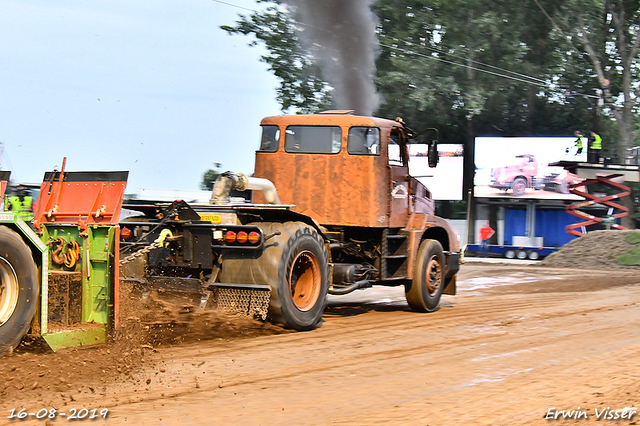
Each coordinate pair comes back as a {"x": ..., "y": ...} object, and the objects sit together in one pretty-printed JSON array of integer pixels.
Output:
[
  {"x": 394, "y": 279},
  {"x": 394, "y": 255},
  {"x": 397, "y": 237}
]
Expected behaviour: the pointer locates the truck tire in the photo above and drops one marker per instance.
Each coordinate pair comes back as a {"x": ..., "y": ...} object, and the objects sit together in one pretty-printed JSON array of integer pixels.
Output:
[
  {"x": 519, "y": 186},
  {"x": 19, "y": 289},
  {"x": 424, "y": 291},
  {"x": 295, "y": 265}
]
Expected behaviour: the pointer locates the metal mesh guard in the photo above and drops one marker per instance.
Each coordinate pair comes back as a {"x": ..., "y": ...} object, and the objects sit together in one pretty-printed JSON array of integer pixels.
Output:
[{"x": 248, "y": 302}]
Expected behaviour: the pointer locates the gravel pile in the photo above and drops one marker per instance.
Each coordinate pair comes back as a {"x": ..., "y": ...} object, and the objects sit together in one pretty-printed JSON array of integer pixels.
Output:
[{"x": 595, "y": 250}]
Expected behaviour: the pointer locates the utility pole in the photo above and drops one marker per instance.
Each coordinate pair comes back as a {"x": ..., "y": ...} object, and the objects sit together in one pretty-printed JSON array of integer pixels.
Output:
[{"x": 1, "y": 149}]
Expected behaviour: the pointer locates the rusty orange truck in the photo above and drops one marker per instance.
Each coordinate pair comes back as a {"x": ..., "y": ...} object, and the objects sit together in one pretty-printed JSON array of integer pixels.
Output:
[{"x": 333, "y": 210}]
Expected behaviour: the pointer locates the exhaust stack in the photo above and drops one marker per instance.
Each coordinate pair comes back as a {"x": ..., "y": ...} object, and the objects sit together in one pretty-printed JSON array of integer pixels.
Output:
[{"x": 229, "y": 181}]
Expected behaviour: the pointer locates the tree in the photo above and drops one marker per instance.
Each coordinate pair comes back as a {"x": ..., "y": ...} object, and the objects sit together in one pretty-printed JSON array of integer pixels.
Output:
[
  {"x": 208, "y": 178},
  {"x": 607, "y": 34},
  {"x": 468, "y": 67},
  {"x": 302, "y": 87}
]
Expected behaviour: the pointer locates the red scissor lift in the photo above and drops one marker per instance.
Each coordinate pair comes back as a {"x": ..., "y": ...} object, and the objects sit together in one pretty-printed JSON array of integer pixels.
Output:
[
  {"x": 609, "y": 175},
  {"x": 4, "y": 179}
]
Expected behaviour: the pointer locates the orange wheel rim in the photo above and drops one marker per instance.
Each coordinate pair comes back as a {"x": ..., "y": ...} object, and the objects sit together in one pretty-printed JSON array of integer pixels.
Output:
[{"x": 305, "y": 280}]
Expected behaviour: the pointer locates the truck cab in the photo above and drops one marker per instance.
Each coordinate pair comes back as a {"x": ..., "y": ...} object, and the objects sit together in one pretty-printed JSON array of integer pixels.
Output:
[{"x": 342, "y": 169}]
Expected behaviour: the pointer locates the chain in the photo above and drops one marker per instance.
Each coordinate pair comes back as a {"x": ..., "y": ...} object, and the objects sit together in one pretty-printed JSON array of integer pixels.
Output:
[
  {"x": 158, "y": 243},
  {"x": 142, "y": 252}
]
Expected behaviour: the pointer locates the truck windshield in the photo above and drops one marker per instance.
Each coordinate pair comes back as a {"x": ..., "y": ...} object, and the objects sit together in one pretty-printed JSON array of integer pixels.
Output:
[
  {"x": 313, "y": 139},
  {"x": 270, "y": 136}
]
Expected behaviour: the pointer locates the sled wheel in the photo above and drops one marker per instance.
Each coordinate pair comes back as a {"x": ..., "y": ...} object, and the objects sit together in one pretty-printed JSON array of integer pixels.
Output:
[
  {"x": 19, "y": 289},
  {"x": 424, "y": 291}
]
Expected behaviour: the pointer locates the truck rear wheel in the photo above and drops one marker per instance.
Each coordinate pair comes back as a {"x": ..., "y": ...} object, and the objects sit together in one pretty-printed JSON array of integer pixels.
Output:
[
  {"x": 19, "y": 289},
  {"x": 295, "y": 265},
  {"x": 424, "y": 291},
  {"x": 563, "y": 188}
]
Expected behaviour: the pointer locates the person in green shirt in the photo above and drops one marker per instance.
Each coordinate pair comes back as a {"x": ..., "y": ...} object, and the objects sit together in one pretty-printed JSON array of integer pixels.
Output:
[
  {"x": 21, "y": 203},
  {"x": 595, "y": 147},
  {"x": 578, "y": 142}
]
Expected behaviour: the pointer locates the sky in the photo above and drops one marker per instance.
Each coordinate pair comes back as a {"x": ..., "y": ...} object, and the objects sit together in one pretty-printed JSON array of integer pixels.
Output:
[{"x": 154, "y": 87}]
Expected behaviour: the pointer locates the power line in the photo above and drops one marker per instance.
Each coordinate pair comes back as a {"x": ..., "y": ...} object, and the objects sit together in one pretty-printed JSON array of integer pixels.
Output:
[
  {"x": 483, "y": 64},
  {"x": 435, "y": 58},
  {"x": 234, "y": 5},
  {"x": 527, "y": 78},
  {"x": 540, "y": 83}
]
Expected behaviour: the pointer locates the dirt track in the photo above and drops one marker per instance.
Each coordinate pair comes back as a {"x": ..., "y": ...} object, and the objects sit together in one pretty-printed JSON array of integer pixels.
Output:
[{"x": 515, "y": 342}]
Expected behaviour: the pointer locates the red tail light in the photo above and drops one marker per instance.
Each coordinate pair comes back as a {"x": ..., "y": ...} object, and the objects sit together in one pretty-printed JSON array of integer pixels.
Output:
[
  {"x": 230, "y": 237},
  {"x": 125, "y": 233},
  {"x": 254, "y": 237},
  {"x": 242, "y": 237}
]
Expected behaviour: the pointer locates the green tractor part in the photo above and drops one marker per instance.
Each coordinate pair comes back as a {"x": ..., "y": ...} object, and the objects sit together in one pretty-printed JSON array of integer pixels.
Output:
[
  {"x": 77, "y": 299},
  {"x": 75, "y": 249}
]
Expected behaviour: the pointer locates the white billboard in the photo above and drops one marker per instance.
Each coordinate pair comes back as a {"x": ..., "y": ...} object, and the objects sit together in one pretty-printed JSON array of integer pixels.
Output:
[
  {"x": 519, "y": 167},
  {"x": 445, "y": 180}
]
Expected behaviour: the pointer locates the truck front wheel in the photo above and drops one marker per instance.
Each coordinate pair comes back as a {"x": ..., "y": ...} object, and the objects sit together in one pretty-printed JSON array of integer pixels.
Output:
[
  {"x": 18, "y": 289},
  {"x": 424, "y": 291},
  {"x": 519, "y": 186}
]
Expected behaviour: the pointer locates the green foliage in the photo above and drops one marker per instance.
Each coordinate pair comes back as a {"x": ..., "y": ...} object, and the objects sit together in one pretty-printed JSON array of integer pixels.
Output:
[
  {"x": 606, "y": 35},
  {"x": 473, "y": 67},
  {"x": 633, "y": 238},
  {"x": 632, "y": 257},
  {"x": 208, "y": 178},
  {"x": 464, "y": 66},
  {"x": 635, "y": 197}
]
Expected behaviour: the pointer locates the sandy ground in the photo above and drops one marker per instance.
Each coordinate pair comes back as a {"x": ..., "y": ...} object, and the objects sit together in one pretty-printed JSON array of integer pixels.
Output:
[{"x": 516, "y": 344}]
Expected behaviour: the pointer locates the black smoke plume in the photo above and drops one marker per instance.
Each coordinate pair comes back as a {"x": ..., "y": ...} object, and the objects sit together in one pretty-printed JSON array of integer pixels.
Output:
[{"x": 342, "y": 35}]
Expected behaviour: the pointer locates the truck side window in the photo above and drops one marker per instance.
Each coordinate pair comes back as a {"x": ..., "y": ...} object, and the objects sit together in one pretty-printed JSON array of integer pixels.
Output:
[
  {"x": 270, "y": 137},
  {"x": 313, "y": 139},
  {"x": 395, "y": 155},
  {"x": 364, "y": 140}
]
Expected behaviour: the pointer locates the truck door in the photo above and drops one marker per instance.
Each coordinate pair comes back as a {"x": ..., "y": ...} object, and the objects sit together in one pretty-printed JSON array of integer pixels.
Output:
[{"x": 399, "y": 182}]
